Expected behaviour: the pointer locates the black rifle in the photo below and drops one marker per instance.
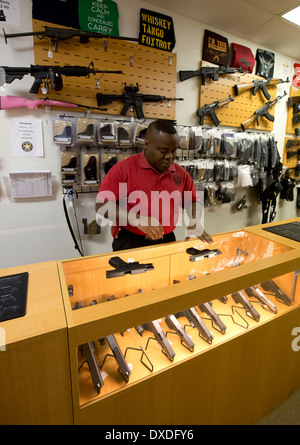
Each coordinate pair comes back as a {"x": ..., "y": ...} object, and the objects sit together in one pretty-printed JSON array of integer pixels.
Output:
[
  {"x": 122, "y": 268},
  {"x": 115, "y": 349},
  {"x": 270, "y": 286},
  {"x": 239, "y": 297},
  {"x": 132, "y": 98},
  {"x": 291, "y": 154},
  {"x": 88, "y": 351},
  {"x": 197, "y": 254},
  {"x": 258, "y": 84},
  {"x": 196, "y": 322},
  {"x": 174, "y": 324},
  {"x": 253, "y": 291},
  {"x": 55, "y": 34},
  {"x": 208, "y": 310},
  {"x": 155, "y": 328},
  {"x": 293, "y": 100},
  {"x": 208, "y": 73},
  {"x": 209, "y": 110},
  {"x": 262, "y": 111},
  {"x": 48, "y": 73}
]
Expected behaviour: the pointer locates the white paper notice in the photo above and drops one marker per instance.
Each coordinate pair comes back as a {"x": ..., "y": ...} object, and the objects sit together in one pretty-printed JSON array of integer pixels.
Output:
[
  {"x": 10, "y": 12},
  {"x": 27, "y": 137}
]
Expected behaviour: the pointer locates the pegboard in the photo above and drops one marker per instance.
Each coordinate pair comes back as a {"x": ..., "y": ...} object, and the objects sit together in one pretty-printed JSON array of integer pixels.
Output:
[
  {"x": 294, "y": 146},
  {"x": 243, "y": 106},
  {"x": 290, "y": 128},
  {"x": 153, "y": 70}
]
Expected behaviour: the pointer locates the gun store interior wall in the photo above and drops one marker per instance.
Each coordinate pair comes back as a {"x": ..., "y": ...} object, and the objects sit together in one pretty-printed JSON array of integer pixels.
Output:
[{"x": 34, "y": 229}]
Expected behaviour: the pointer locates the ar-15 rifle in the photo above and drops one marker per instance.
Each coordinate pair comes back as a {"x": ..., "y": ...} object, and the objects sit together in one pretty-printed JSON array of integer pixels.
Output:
[
  {"x": 155, "y": 328},
  {"x": 48, "y": 74},
  {"x": 55, "y": 34},
  {"x": 208, "y": 310},
  {"x": 258, "y": 84},
  {"x": 239, "y": 297},
  {"x": 174, "y": 324},
  {"x": 9, "y": 102},
  {"x": 262, "y": 111},
  {"x": 208, "y": 73},
  {"x": 209, "y": 110},
  {"x": 270, "y": 286},
  {"x": 255, "y": 292},
  {"x": 132, "y": 98},
  {"x": 122, "y": 268}
]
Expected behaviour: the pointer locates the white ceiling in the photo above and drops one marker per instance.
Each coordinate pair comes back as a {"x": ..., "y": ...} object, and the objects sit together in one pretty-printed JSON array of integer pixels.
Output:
[{"x": 256, "y": 20}]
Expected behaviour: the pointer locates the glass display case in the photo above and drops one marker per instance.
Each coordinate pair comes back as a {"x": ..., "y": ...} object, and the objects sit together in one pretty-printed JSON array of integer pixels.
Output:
[{"x": 138, "y": 319}]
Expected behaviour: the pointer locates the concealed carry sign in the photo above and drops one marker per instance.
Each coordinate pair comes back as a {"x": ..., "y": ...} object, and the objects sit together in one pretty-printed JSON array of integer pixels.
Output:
[
  {"x": 156, "y": 30},
  {"x": 99, "y": 16}
]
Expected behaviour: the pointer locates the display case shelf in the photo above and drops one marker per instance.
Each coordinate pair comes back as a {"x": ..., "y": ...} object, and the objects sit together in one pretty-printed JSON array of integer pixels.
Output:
[{"x": 175, "y": 284}]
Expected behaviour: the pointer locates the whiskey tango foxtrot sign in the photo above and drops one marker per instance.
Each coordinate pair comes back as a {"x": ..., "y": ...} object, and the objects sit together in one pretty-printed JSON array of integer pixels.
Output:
[{"x": 156, "y": 30}]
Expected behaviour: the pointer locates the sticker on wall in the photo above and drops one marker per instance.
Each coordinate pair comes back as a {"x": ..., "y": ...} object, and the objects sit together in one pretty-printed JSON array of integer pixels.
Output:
[
  {"x": 10, "y": 12},
  {"x": 27, "y": 137},
  {"x": 156, "y": 30},
  {"x": 99, "y": 16}
]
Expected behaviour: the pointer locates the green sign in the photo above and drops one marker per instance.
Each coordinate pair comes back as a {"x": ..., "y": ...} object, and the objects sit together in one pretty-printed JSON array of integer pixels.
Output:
[{"x": 99, "y": 16}]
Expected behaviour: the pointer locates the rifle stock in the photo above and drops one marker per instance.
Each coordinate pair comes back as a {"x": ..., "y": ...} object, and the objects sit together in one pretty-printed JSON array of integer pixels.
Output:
[
  {"x": 241, "y": 88},
  {"x": 184, "y": 75},
  {"x": 245, "y": 125}
]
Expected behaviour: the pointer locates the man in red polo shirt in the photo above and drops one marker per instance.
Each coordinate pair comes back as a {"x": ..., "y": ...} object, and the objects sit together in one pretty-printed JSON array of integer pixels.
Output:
[{"x": 142, "y": 194}]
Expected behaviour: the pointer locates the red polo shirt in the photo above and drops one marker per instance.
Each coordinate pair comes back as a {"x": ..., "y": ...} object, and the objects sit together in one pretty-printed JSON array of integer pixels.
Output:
[{"x": 141, "y": 189}]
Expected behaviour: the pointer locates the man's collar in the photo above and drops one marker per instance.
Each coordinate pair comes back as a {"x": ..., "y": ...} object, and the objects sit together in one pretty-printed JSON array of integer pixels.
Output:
[{"x": 145, "y": 164}]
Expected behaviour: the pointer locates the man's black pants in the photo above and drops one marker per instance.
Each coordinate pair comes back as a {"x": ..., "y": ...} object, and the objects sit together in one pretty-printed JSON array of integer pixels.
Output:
[{"x": 130, "y": 240}]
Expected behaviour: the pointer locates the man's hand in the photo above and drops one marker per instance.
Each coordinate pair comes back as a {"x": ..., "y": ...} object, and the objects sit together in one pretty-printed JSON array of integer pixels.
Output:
[
  {"x": 150, "y": 226},
  {"x": 199, "y": 233}
]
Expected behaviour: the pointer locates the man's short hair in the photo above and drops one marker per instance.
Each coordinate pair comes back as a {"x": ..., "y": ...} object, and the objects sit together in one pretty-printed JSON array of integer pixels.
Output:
[{"x": 161, "y": 125}]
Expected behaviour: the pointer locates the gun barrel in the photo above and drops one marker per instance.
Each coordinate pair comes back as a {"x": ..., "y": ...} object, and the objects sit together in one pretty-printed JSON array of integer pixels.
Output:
[
  {"x": 199, "y": 324},
  {"x": 271, "y": 286},
  {"x": 253, "y": 291},
  {"x": 208, "y": 310},
  {"x": 160, "y": 337},
  {"x": 239, "y": 297}
]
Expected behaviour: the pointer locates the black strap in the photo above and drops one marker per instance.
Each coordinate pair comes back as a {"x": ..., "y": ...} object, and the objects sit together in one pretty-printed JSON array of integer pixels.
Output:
[{"x": 70, "y": 226}]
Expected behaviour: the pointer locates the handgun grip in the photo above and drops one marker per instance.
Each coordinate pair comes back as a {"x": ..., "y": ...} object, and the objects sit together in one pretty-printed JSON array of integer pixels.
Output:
[{"x": 116, "y": 262}]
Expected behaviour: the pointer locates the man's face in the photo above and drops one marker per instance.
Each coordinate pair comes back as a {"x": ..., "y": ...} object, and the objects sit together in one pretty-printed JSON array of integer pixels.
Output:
[{"x": 160, "y": 150}]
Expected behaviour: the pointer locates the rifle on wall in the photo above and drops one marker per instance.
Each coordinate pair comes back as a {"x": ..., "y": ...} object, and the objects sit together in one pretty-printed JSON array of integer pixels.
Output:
[
  {"x": 208, "y": 72},
  {"x": 262, "y": 112},
  {"x": 209, "y": 110},
  {"x": 48, "y": 74},
  {"x": 132, "y": 99},
  {"x": 256, "y": 85},
  {"x": 55, "y": 34},
  {"x": 10, "y": 102}
]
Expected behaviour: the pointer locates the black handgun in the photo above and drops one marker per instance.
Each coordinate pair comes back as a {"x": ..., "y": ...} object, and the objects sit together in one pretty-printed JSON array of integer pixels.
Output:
[
  {"x": 115, "y": 349},
  {"x": 122, "y": 268},
  {"x": 88, "y": 351},
  {"x": 174, "y": 324},
  {"x": 196, "y": 322},
  {"x": 197, "y": 254},
  {"x": 270, "y": 286},
  {"x": 239, "y": 297},
  {"x": 253, "y": 291},
  {"x": 155, "y": 328},
  {"x": 208, "y": 310}
]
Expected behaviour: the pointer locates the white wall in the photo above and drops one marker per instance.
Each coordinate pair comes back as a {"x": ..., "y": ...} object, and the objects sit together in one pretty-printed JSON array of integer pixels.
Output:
[{"x": 35, "y": 230}]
